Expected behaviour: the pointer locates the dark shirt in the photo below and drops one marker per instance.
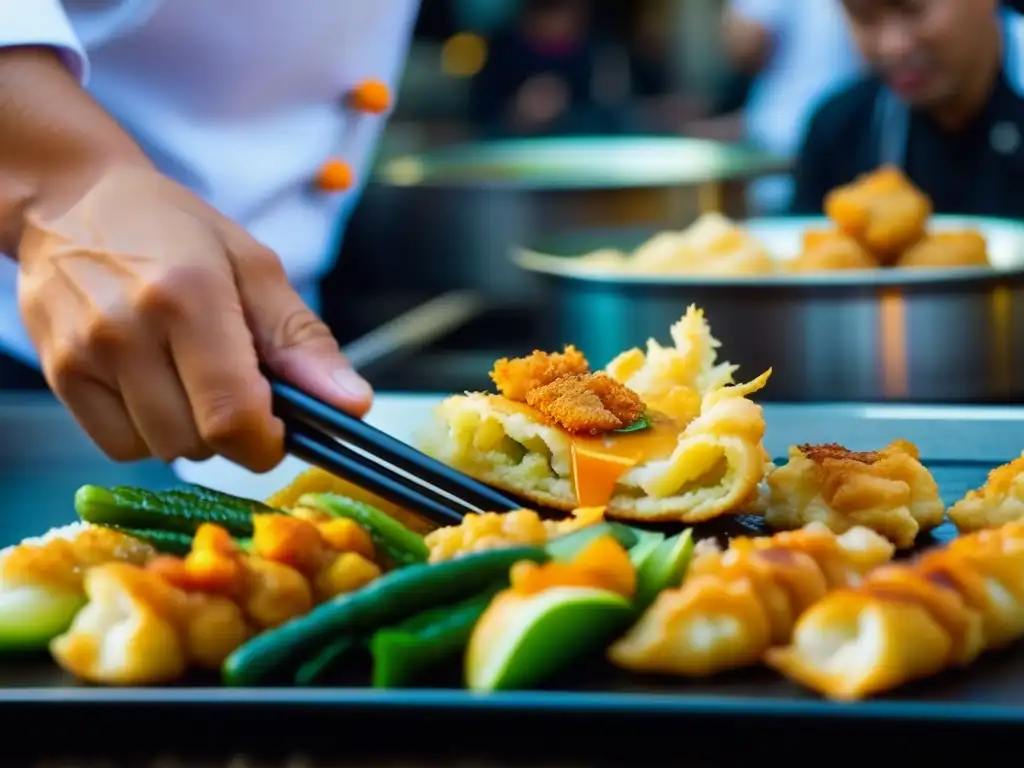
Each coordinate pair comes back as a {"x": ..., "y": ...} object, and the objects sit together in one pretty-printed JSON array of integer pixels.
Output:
[{"x": 978, "y": 171}]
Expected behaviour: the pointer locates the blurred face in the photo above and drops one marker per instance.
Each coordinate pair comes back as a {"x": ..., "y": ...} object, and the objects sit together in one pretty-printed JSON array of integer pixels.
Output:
[{"x": 927, "y": 51}]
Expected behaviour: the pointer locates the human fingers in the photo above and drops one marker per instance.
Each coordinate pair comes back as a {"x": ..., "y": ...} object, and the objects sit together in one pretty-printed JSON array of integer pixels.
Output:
[
  {"x": 100, "y": 411},
  {"x": 290, "y": 338},
  {"x": 158, "y": 405},
  {"x": 212, "y": 349}
]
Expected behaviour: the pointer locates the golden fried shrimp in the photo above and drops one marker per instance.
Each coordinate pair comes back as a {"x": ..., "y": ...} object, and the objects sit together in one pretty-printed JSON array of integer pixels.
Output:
[
  {"x": 947, "y": 249},
  {"x": 888, "y": 491},
  {"x": 587, "y": 404},
  {"x": 515, "y": 378}
]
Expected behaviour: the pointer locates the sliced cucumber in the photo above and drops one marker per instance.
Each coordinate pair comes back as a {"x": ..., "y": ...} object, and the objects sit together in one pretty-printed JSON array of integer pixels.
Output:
[{"x": 521, "y": 641}]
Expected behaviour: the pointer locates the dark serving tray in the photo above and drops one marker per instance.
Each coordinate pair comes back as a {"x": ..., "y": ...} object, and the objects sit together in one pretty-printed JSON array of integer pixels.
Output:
[{"x": 610, "y": 710}]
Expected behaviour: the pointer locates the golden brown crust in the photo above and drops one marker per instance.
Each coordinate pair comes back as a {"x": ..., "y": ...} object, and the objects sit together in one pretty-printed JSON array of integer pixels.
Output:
[
  {"x": 881, "y": 209},
  {"x": 889, "y": 491},
  {"x": 831, "y": 251},
  {"x": 834, "y": 452},
  {"x": 999, "y": 500},
  {"x": 515, "y": 377},
  {"x": 587, "y": 404},
  {"x": 947, "y": 249}
]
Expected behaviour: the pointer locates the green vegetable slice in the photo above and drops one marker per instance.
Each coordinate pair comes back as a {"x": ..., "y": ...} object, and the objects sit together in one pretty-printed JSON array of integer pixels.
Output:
[
  {"x": 567, "y": 547},
  {"x": 636, "y": 426},
  {"x": 665, "y": 568},
  {"x": 30, "y": 617},
  {"x": 404, "y": 546},
  {"x": 524, "y": 640},
  {"x": 403, "y": 652},
  {"x": 314, "y": 669},
  {"x": 647, "y": 542},
  {"x": 391, "y": 598},
  {"x": 180, "y": 511}
]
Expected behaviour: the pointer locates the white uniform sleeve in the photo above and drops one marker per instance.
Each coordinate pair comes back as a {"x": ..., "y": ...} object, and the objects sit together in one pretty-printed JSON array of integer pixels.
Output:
[
  {"x": 43, "y": 22},
  {"x": 770, "y": 14}
]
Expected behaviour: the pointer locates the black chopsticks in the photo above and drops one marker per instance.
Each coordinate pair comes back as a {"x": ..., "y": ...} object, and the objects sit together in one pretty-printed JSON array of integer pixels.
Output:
[{"x": 350, "y": 448}]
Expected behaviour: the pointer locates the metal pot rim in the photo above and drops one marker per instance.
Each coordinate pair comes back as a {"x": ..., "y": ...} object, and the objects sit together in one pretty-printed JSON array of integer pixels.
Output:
[
  {"x": 579, "y": 163},
  {"x": 569, "y": 269}
]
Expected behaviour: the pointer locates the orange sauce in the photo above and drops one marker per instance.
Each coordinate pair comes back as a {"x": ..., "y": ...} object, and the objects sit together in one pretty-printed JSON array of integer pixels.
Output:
[{"x": 598, "y": 461}]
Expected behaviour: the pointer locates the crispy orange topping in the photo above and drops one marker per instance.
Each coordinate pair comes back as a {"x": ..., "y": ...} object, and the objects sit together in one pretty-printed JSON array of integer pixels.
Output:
[
  {"x": 370, "y": 96},
  {"x": 590, "y": 403},
  {"x": 347, "y": 535},
  {"x": 334, "y": 176},
  {"x": 833, "y": 451},
  {"x": 516, "y": 377},
  {"x": 287, "y": 540},
  {"x": 603, "y": 564}
]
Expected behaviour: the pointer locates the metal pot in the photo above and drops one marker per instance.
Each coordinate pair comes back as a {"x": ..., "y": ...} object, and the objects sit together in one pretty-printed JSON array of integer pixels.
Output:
[
  {"x": 913, "y": 335},
  {"x": 444, "y": 220}
]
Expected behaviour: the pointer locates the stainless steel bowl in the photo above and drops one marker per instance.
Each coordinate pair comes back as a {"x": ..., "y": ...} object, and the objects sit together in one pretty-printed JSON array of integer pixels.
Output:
[
  {"x": 913, "y": 335},
  {"x": 445, "y": 219}
]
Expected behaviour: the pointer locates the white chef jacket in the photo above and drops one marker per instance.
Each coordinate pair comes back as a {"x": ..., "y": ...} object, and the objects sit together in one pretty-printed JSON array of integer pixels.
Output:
[
  {"x": 813, "y": 54},
  {"x": 239, "y": 100}
]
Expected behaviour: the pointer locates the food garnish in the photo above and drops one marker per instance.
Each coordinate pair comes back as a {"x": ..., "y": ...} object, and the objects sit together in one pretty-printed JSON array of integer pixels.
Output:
[{"x": 553, "y": 613}]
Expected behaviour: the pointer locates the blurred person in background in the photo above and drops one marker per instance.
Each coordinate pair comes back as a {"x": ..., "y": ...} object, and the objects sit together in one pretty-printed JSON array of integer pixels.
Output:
[
  {"x": 173, "y": 176},
  {"x": 943, "y": 102},
  {"x": 796, "y": 53},
  {"x": 539, "y": 74},
  {"x": 662, "y": 107}
]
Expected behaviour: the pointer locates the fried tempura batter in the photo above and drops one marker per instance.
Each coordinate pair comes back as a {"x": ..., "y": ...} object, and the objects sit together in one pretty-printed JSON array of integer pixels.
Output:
[
  {"x": 1000, "y": 500},
  {"x": 587, "y": 404},
  {"x": 947, "y": 249},
  {"x": 826, "y": 251},
  {"x": 516, "y": 377},
  {"x": 889, "y": 491},
  {"x": 882, "y": 209}
]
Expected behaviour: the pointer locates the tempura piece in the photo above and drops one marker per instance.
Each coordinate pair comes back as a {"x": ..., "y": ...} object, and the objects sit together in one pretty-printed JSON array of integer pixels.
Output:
[
  {"x": 882, "y": 209},
  {"x": 711, "y": 246},
  {"x": 515, "y": 378},
  {"x": 889, "y": 491},
  {"x": 736, "y": 604},
  {"x": 673, "y": 380},
  {"x": 1000, "y": 500},
  {"x": 909, "y": 622},
  {"x": 493, "y": 530},
  {"x": 150, "y": 624},
  {"x": 138, "y": 629},
  {"x": 41, "y": 586},
  {"x": 825, "y": 251},
  {"x": 949, "y": 250},
  {"x": 666, "y": 471},
  {"x": 591, "y": 403}
]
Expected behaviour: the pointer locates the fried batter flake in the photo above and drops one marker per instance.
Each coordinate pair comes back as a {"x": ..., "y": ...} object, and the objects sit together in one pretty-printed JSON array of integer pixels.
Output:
[
  {"x": 516, "y": 377},
  {"x": 588, "y": 403},
  {"x": 819, "y": 454}
]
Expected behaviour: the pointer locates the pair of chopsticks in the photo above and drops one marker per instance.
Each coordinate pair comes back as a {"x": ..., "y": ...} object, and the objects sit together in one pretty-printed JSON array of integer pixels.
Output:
[{"x": 353, "y": 450}]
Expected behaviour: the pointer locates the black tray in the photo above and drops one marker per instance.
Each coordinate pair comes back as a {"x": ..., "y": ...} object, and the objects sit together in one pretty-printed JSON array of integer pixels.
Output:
[{"x": 594, "y": 703}]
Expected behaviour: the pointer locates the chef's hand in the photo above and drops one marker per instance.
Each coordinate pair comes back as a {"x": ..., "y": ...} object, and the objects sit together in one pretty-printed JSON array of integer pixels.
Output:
[{"x": 151, "y": 312}]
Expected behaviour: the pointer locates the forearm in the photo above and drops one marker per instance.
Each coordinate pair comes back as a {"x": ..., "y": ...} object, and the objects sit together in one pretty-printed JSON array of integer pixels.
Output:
[{"x": 54, "y": 139}]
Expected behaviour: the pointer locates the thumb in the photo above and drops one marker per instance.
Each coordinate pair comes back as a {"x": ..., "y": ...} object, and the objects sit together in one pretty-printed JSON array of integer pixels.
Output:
[{"x": 292, "y": 341}]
